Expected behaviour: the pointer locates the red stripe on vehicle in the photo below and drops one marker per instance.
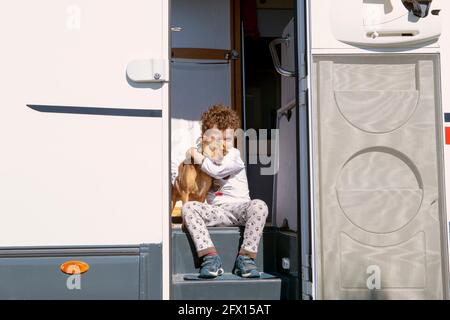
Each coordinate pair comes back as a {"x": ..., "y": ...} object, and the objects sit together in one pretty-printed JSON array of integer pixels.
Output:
[{"x": 447, "y": 136}]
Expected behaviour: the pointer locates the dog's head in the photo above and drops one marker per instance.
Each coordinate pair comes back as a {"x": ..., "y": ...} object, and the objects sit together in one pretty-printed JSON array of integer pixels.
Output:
[
  {"x": 213, "y": 149},
  {"x": 215, "y": 143}
]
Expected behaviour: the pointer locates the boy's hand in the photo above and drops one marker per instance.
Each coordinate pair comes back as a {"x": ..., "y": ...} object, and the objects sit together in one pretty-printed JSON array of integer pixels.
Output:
[{"x": 197, "y": 157}]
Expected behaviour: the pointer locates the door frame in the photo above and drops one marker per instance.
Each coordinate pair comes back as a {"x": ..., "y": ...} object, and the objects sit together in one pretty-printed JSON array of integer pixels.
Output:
[
  {"x": 236, "y": 104},
  {"x": 236, "y": 64},
  {"x": 304, "y": 144}
]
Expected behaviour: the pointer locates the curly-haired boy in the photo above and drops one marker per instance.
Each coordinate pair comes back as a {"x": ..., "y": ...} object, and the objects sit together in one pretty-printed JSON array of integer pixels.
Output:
[{"x": 228, "y": 203}]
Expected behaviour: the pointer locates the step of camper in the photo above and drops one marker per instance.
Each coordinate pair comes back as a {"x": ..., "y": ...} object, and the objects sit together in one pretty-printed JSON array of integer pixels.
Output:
[
  {"x": 226, "y": 287},
  {"x": 227, "y": 241}
]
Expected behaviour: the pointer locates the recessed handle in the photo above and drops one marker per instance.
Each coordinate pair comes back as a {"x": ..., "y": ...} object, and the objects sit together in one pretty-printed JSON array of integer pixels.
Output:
[
  {"x": 401, "y": 33},
  {"x": 276, "y": 60}
]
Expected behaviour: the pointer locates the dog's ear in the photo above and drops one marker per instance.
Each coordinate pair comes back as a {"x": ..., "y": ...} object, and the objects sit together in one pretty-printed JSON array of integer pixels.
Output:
[{"x": 199, "y": 144}]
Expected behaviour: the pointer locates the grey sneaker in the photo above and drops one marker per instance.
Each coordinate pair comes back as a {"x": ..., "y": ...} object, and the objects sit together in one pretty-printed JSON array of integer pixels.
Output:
[
  {"x": 211, "y": 267},
  {"x": 245, "y": 267}
]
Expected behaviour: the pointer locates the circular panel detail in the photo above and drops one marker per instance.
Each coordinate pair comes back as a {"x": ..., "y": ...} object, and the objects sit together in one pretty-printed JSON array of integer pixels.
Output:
[
  {"x": 379, "y": 190},
  {"x": 377, "y": 111}
]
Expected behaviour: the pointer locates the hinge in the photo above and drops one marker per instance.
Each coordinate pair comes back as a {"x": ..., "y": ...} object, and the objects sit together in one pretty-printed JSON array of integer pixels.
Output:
[
  {"x": 302, "y": 98},
  {"x": 303, "y": 84},
  {"x": 303, "y": 91},
  {"x": 234, "y": 55},
  {"x": 307, "y": 276},
  {"x": 307, "y": 290}
]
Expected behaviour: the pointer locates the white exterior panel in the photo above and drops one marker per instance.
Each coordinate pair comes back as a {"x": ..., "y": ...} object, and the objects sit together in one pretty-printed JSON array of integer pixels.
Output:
[{"x": 81, "y": 179}]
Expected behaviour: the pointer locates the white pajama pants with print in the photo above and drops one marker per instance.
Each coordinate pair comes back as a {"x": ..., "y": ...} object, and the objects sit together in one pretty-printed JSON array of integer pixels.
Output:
[{"x": 198, "y": 216}]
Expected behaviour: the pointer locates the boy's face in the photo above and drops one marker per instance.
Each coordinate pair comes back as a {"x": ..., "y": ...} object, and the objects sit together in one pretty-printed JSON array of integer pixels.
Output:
[{"x": 228, "y": 137}]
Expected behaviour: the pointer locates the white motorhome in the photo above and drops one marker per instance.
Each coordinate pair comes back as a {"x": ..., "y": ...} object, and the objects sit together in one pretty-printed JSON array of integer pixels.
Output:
[{"x": 100, "y": 100}]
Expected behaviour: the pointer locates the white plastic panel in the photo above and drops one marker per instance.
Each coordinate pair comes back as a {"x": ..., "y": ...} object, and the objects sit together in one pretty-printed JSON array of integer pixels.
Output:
[
  {"x": 372, "y": 23},
  {"x": 377, "y": 190},
  {"x": 81, "y": 178}
]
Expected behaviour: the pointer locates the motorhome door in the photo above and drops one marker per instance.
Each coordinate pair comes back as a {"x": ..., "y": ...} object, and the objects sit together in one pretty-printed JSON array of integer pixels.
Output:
[{"x": 380, "y": 226}]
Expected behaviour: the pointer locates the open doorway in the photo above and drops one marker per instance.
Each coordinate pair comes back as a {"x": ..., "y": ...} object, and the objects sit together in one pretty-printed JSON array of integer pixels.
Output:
[
  {"x": 263, "y": 21},
  {"x": 220, "y": 55}
]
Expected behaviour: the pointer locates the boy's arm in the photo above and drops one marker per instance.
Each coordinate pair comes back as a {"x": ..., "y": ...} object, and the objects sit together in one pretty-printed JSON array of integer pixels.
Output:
[{"x": 231, "y": 164}]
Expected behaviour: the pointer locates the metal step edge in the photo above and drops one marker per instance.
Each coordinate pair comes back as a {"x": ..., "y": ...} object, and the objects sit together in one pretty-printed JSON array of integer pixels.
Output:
[{"x": 179, "y": 279}]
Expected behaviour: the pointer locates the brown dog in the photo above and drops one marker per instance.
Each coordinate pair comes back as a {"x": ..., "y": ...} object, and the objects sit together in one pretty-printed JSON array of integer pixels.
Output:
[{"x": 192, "y": 184}]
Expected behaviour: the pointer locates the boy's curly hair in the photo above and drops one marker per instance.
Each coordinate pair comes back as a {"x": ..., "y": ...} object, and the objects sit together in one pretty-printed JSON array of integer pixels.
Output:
[{"x": 222, "y": 116}]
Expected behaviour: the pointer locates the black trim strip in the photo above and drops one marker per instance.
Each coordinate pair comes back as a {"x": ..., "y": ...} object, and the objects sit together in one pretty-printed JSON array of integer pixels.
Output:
[
  {"x": 67, "y": 251},
  {"x": 447, "y": 117},
  {"x": 150, "y": 113}
]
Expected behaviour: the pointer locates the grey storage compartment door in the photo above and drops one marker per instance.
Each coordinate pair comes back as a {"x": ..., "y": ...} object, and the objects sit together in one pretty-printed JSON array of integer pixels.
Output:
[
  {"x": 109, "y": 277},
  {"x": 377, "y": 157}
]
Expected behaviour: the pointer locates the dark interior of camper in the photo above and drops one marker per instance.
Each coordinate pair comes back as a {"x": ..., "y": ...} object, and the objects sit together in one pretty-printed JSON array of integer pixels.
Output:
[{"x": 223, "y": 53}]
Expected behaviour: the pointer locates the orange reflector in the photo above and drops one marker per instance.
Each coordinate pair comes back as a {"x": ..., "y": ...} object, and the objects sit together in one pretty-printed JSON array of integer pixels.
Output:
[{"x": 74, "y": 267}]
